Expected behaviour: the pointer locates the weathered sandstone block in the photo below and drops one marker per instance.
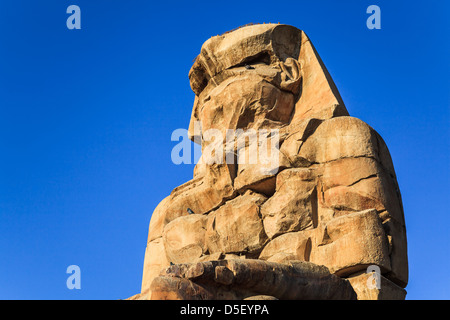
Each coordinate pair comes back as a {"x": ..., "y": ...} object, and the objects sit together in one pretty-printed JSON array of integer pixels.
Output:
[
  {"x": 302, "y": 221},
  {"x": 236, "y": 227},
  {"x": 293, "y": 207},
  {"x": 352, "y": 242},
  {"x": 212, "y": 280},
  {"x": 289, "y": 246},
  {"x": 366, "y": 288},
  {"x": 184, "y": 238}
]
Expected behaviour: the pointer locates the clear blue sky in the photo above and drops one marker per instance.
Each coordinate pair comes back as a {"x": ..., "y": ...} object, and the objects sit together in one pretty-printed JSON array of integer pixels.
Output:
[{"x": 86, "y": 118}]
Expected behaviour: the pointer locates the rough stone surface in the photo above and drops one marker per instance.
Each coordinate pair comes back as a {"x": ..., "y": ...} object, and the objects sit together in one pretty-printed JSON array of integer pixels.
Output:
[
  {"x": 301, "y": 219},
  {"x": 288, "y": 246},
  {"x": 352, "y": 242},
  {"x": 155, "y": 260},
  {"x": 244, "y": 279},
  {"x": 184, "y": 238},
  {"x": 236, "y": 227},
  {"x": 293, "y": 207}
]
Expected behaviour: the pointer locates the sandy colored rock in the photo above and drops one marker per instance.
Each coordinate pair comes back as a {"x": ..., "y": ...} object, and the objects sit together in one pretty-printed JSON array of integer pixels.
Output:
[
  {"x": 157, "y": 221},
  {"x": 288, "y": 246},
  {"x": 296, "y": 135},
  {"x": 237, "y": 226},
  {"x": 376, "y": 191},
  {"x": 198, "y": 194},
  {"x": 231, "y": 96},
  {"x": 351, "y": 243},
  {"x": 258, "y": 164},
  {"x": 319, "y": 97},
  {"x": 293, "y": 206},
  {"x": 348, "y": 171},
  {"x": 296, "y": 280},
  {"x": 320, "y": 206},
  {"x": 261, "y": 297},
  {"x": 366, "y": 288},
  {"x": 184, "y": 238},
  {"x": 138, "y": 296},
  {"x": 398, "y": 252},
  {"x": 254, "y": 43}
]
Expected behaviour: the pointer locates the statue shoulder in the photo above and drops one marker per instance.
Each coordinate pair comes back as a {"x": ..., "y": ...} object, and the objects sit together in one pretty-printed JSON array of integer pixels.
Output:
[{"x": 340, "y": 137}]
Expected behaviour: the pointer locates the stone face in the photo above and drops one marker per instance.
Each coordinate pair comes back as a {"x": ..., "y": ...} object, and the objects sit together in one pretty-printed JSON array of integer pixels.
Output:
[
  {"x": 299, "y": 219},
  {"x": 398, "y": 254},
  {"x": 255, "y": 43}
]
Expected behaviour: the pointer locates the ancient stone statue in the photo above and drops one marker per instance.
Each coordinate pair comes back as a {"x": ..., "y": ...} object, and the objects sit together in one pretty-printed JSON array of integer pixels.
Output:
[{"x": 307, "y": 228}]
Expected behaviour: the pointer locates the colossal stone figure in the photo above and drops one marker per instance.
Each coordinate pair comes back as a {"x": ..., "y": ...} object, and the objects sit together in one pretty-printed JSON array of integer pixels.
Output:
[{"x": 307, "y": 228}]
